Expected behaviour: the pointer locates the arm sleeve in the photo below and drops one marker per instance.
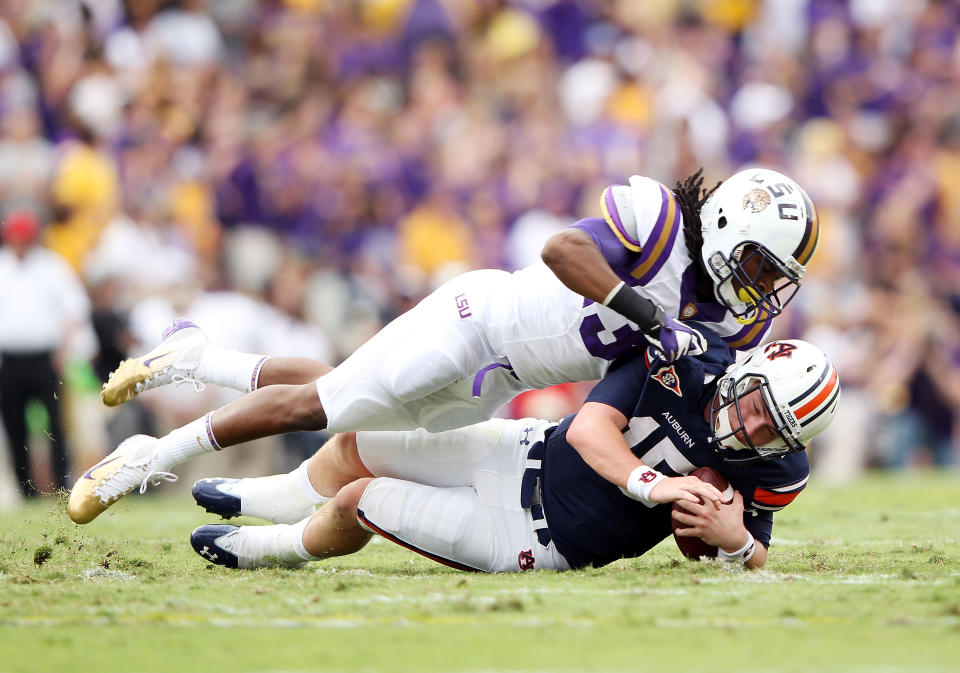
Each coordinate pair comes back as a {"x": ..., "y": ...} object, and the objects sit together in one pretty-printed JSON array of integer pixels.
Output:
[
  {"x": 618, "y": 257},
  {"x": 759, "y": 526}
]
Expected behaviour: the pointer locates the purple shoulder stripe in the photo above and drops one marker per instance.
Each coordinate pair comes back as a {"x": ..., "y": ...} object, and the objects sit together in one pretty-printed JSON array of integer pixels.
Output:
[
  {"x": 620, "y": 259},
  {"x": 659, "y": 244},
  {"x": 749, "y": 337}
]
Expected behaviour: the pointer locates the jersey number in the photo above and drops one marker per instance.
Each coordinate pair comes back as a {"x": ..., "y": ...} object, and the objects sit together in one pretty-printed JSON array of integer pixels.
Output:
[{"x": 606, "y": 343}]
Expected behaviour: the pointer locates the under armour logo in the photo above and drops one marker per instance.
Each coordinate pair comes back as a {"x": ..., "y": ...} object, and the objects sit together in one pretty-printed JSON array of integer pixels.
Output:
[
  {"x": 525, "y": 560},
  {"x": 525, "y": 440},
  {"x": 206, "y": 553}
]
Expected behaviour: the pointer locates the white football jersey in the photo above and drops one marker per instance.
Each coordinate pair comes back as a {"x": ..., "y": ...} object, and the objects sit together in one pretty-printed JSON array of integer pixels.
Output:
[
  {"x": 482, "y": 338},
  {"x": 553, "y": 335}
]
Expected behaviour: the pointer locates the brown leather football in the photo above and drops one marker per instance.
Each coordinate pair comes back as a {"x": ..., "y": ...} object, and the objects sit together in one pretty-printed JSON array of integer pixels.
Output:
[{"x": 693, "y": 547}]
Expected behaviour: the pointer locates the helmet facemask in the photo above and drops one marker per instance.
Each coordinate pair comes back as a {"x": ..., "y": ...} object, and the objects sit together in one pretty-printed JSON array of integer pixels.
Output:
[
  {"x": 758, "y": 225},
  {"x": 789, "y": 385},
  {"x": 733, "y": 442},
  {"x": 738, "y": 282}
]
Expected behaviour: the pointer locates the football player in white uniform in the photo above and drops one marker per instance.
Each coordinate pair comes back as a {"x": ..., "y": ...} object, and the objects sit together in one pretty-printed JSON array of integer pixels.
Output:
[{"x": 730, "y": 258}]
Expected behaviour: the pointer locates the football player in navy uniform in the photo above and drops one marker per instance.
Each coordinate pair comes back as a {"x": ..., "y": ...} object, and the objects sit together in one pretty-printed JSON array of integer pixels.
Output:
[
  {"x": 513, "y": 495},
  {"x": 730, "y": 259}
]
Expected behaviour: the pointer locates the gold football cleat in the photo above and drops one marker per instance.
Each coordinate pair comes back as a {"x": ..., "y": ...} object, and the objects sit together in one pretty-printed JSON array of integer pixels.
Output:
[
  {"x": 174, "y": 360},
  {"x": 128, "y": 467}
]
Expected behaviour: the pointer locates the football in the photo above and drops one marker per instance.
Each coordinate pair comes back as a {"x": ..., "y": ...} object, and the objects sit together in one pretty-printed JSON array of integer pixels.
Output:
[{"x": 693, "y": 547}]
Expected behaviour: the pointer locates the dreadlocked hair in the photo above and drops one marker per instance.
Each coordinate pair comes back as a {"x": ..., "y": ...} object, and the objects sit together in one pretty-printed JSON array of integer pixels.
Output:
[{"x": 691, "y": 196}]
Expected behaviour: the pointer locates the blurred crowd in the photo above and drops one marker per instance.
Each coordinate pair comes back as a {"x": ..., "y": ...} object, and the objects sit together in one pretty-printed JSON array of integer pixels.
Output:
[{"x": 294, "y": 173}]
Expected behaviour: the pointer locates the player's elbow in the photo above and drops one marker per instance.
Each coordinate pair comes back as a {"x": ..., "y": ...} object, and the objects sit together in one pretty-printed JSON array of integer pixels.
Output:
[
  {"x": 577, "y": 433},
  {"x": 560, "y": 249},
  {"x": 584, "y": 441}
]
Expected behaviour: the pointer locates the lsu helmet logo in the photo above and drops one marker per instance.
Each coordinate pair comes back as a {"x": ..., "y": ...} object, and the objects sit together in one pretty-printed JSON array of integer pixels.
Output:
[
  {"x": 667, "y": 377},
  {"x": 756, "y": 200}
]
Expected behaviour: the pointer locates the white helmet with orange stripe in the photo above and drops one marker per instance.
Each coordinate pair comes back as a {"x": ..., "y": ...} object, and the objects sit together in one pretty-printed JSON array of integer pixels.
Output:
[
  {"x": 760, "y": 230},
  {"x": 798, "y": 388}
]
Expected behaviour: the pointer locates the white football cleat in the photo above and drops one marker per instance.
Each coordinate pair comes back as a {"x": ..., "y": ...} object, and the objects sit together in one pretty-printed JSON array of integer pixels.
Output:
[
  {"x": 276, "y": 498},
  {"x": 128, "y": 467},
  {"x": 174, "y": 360},
  {"x": 246, "y": 547}
]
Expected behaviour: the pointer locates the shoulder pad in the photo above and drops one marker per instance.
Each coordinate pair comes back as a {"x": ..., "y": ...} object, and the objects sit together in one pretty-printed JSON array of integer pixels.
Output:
[{"x": 616, "y": 203}]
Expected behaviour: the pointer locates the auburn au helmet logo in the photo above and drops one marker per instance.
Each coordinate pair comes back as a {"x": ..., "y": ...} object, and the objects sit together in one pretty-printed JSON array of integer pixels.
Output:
[{"x": 779, "y": 349}]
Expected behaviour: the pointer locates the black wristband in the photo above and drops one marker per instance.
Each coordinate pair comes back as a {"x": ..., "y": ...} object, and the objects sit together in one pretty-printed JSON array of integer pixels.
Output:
[{"x": 643, "y": 312}]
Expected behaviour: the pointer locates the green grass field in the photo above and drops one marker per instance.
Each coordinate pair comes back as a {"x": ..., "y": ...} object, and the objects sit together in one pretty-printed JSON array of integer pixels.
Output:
[{"x": 864, "y": 578}]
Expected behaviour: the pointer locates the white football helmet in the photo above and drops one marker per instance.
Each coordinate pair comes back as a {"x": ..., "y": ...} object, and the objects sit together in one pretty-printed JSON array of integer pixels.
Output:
[
  {"x": 800, "y": 390},
  {"x": 757, "y": 221}
]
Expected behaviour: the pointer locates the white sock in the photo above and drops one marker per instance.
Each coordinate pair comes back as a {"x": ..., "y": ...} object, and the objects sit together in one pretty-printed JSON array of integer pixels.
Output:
[
  {"x": 269, "y": 546},
  {"x": 231, "y": 369},
  {"x": 281, "y": 498},
  {"x": 296, "y": 532},
  {"x": 303, "y": 482},
  {"x": 192, "y": 440}
]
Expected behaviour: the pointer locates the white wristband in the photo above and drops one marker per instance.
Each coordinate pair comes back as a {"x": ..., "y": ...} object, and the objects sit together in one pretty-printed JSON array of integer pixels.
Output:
[
  {"x": 613, "y": 292},
  {"x": 641, "y": 482},
  {"x": 744, "y": 554}
]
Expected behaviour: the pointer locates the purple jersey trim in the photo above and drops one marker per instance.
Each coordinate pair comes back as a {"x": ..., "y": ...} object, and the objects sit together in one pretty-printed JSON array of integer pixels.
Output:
[
  {"x": 713, "y": 312},
  {"x": 659, "y": 244},
  {"x": 619, "y": 258},
  {"x": 690, "y": 308},
  {"x": 478, "y": 379},
  {"x": 749, "y": 337}
]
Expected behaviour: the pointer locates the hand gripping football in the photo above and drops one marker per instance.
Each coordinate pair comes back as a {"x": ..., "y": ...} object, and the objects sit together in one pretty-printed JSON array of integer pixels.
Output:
[{"x": 693, "y": 547}]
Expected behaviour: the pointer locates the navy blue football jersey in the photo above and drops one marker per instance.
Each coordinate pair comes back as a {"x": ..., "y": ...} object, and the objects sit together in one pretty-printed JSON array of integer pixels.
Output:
[{"x": 590, "y": 519}]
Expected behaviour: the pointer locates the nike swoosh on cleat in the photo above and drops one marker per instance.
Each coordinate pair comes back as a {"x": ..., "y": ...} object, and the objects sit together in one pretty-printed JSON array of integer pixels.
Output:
[
  {"x": 86, "y": 475},
  {"x": 146, "y": 363}
]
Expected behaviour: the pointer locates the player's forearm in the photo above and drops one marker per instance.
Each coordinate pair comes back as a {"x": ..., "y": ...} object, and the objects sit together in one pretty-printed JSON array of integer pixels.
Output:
[
  {"x": 596, "y": 435},
  {"x": 609, "y": 461},
  {"x": 577, "y": 261}
]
